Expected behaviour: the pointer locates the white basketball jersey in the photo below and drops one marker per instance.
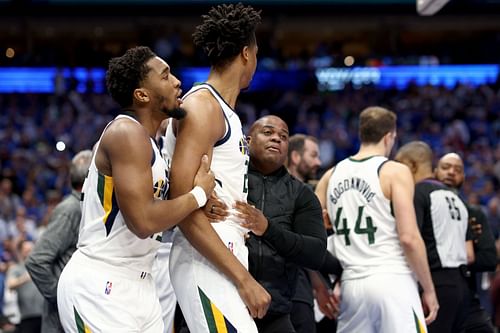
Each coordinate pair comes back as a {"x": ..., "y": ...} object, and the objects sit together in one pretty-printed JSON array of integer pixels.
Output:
[
  {"x": 365, "y": 239},
  {"x": 230, "y": 156},
  {"x": 104, "y": 235}
]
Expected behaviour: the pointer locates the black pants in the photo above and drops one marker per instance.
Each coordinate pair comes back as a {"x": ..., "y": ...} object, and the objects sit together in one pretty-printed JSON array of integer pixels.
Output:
[
  {"x": 275, "y": 324},
  {"x": 302, "y": 317},
  {"x": 326, "y": 325},
  {"x": 477, "y": 319},
  {"x": 30, "y": 325},
  {"x": 452, "y": 293}
]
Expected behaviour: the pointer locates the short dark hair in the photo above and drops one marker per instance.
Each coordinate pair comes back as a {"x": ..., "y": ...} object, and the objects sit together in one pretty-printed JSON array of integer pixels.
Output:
[
  {"x": 296, "y": 143},
  {"x": 418, "y": 152},
  {"x": 225, "y": 31},
  {"x": 126, "y": 73},
  {"x": 374, "y": 123}
]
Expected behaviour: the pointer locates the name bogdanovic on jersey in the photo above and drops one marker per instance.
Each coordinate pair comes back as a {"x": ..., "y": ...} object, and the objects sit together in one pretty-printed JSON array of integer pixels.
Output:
[{"x": 353, "y": 183}]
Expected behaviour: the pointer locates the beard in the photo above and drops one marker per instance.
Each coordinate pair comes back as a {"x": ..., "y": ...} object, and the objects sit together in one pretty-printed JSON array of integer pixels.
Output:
[
  {"x": 176, "y": 113},
  {"x": 307, "y": 172}
]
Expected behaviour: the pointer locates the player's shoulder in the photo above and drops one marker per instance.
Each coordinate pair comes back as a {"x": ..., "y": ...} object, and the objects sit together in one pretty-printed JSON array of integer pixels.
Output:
[
  {"x": 394, "y": 168},
  {"x": 125, "y": 127},
  {"x": 201, "y": 99}
]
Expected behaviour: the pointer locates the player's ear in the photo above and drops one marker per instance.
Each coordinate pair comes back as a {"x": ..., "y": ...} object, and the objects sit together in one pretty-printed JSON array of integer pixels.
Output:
[
  {"x": 249, "y": 138},
  {"x": 295, "y": 156},
  {"x": 245, "y": 53},
  {"x": 141, "y": 95}
]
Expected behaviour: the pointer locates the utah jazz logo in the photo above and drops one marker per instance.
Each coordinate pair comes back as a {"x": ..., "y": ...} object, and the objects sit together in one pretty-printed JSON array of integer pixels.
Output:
[
  {"x": 160, "y": 188},
  {"x": 244, "y": 146}
]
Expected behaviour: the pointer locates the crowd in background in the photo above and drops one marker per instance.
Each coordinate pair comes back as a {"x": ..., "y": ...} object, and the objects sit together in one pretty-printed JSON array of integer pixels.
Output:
[{"x": 33, "y": 176}]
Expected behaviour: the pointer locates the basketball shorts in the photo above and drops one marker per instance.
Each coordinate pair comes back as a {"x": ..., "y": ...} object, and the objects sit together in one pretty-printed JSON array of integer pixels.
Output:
[
  {"x": 164, "y": 288},
  {"x": 385, "y": 303},
  {"x": 93, "y": 296},
  {"x": 208, "y": 299}
]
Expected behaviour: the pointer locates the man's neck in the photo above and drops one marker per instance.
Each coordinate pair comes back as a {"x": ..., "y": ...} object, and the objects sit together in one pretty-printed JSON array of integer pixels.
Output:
[
  {"x": 226, "y": 83},
  {"x": 369, "y": 150},
  {"x": 423, "y": 174}
]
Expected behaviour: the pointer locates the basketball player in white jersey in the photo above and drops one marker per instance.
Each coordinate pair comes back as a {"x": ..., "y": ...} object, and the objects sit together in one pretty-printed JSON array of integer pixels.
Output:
[
  {"x": 208, "y": 261},
  {"x": 107, "y": 285},
  {"x": 370, "y": 204}
]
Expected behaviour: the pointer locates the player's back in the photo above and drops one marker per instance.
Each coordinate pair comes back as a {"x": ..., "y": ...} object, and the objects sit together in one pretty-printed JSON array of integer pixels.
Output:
[{"x": 365, "y": 239}]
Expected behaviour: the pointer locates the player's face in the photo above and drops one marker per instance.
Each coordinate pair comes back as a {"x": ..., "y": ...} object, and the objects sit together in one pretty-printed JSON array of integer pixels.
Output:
[
  {"x": 309, "y": 161},
  {"x": 164, "y": 87},
  {"x": 251, "y": 65},
  {"x": 450, "y": 170},
  {"x": 269, "y": 142}
]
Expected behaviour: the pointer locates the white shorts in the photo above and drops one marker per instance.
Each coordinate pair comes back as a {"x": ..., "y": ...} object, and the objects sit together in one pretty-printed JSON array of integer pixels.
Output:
[
  {"x": 164, "y": 288},
  {"x": 385, "y": 303},
  {"x": 209, "y": 300},
  {"x": 98, "y": 297}
]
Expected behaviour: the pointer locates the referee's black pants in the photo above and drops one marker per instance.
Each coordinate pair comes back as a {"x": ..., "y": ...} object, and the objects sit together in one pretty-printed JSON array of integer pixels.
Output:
[{"x": 452, "y": 293}]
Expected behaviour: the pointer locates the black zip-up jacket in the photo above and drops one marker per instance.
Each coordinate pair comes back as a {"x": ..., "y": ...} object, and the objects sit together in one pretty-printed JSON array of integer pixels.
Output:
[{"x": 295, "y": 235}]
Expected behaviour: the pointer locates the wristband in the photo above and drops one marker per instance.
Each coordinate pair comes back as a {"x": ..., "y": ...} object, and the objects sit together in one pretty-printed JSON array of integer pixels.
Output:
[{"x": 199, "y": 195}]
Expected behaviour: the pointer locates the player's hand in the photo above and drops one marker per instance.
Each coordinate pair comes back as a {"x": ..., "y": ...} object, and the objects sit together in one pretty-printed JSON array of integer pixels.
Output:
[
  {"x": 215, "y": 209},
  {"x": 327, "y": 305},
  {"x": 205, "y": 177},
  {"x": 430, "y": 305},
  {"x": 255, "y": 297},
  {"x": 252, "y": 217}
]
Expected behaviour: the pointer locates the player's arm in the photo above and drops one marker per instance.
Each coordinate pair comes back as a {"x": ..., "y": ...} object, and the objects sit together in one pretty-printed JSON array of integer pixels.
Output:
[
  {"x": 484, "y": 246},
  {"x": 401, "y": 190},
  {"x": 320, "y": 192},
  {"x": 471, "y": 256},
  {"x": 322, "y": 187},
  {"x": 127, "y": 148},
  {"x": 196, "y": 135}
]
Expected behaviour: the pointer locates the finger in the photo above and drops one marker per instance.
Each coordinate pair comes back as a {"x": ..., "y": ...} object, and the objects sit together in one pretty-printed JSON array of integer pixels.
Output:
[
  {"x": 330, "y": 313},
  {"x": 204, "y": 163},
  {"x": 430, "y": 318},
  {"x": 243, "y": 206},
  {"x": 252, "y": 311},
  {"x": 263, "y": 311}
]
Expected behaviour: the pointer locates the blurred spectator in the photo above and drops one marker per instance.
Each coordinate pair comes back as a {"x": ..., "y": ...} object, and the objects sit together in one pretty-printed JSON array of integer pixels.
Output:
[
  {"x": 28, "y": 297},
  {"x": 55, "y": 247}
]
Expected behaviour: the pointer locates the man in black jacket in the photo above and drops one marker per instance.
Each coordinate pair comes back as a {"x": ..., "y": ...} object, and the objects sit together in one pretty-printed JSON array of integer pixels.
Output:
[
  {"x": 450, "y": 170},
  {"x": 285, "y": 220}
]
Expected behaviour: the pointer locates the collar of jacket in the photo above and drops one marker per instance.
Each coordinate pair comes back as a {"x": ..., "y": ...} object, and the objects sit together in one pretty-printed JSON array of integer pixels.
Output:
[{"x": 277, "y": 173}]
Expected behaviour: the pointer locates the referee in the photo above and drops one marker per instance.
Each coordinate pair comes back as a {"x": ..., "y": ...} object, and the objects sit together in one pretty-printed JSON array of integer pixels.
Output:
[{"x": 443, "y": 221}]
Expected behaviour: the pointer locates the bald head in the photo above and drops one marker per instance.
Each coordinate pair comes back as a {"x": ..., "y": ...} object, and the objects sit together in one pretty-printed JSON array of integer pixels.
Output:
[
  {"x": 450, "y": 170},
  {"x": 259, "y": 123},
  {"x": 417, "y": 155},
  {"x": 79, "y": 168}
]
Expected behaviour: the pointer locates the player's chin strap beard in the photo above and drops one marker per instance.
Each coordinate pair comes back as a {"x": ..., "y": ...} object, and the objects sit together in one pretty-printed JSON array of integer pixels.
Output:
[{"x": 177, "y": 113}]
